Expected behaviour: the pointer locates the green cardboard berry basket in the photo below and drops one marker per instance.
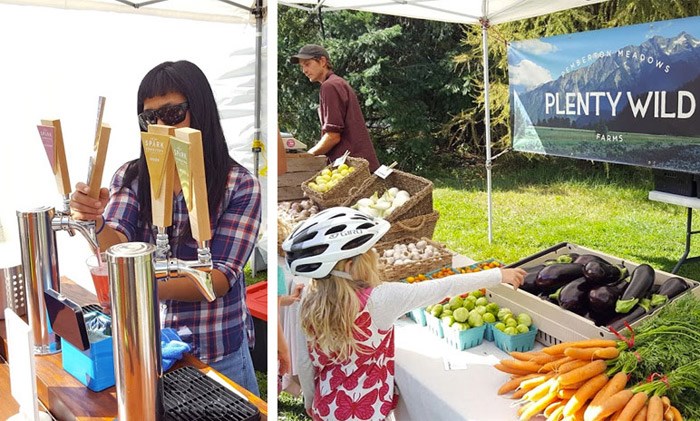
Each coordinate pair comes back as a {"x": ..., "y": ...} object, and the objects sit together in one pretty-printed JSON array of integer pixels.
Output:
[
  {"x": 464, "y": 339},
  {"x": 522, "y": 343}
]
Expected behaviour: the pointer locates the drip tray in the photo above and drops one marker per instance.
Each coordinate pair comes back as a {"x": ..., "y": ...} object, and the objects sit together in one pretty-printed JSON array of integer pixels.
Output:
[{"x": 189, "y": 395}]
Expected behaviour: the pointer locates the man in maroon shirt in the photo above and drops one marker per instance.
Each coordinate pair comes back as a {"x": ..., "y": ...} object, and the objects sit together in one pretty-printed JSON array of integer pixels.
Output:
[{"x": 342, "y": 124}]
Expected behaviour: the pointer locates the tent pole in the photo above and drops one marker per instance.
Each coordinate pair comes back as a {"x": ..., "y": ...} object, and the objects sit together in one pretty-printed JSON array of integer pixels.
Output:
[
  {"x": 257, "y": 131},
  {"x": 487, "y": 123}
]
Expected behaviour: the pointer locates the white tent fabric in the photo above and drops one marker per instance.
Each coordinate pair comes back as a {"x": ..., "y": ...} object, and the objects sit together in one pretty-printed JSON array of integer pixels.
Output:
[
  {"x": 57, "y": 60},
  {"x": 483, "y": 12}
]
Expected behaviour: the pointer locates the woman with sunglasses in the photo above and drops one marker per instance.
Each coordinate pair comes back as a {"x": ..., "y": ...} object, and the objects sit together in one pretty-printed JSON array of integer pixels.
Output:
[{"x": 178, "y": 94}]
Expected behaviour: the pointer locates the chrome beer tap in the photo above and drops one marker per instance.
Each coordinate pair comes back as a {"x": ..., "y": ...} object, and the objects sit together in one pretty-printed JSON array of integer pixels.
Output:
[{"x": 165, "y": 148}]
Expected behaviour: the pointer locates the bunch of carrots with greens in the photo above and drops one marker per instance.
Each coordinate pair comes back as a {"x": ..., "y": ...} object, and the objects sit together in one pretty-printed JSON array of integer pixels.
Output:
[{"x": 651, "y": 373}]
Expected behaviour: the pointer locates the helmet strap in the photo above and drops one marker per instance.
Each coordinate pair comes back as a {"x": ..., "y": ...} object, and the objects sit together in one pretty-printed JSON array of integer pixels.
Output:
[{"x": 341, "y": 274}]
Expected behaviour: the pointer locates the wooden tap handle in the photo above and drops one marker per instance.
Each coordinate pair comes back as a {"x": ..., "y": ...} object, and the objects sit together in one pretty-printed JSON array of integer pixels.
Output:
[
  {"x": 60, "y": 165},
  {"x": 161, "y": 169},
  {"x": 97, "y": 162},
  {"x": 189, "y": 160}
]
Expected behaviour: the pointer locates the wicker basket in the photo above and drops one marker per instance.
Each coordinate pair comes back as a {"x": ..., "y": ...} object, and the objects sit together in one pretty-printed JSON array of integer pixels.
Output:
[
  {"x": 339, "y": 193},
  {"x": 420, "y": 189},
  {"x": 398, "y": 272},
  {"x": 418, "y": 227}
]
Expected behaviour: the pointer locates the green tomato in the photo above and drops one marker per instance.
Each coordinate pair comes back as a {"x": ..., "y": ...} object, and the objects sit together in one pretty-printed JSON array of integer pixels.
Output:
[
  {"x": 469, "y": 304},
  {"x": 456, "y": 301},
  {"x": 511, "y": 330},
  {"x": 481, "y": 301},
  {"x": 500, "y": 326},
  {"x": 460, "y": 326},
  {"x": 522, "y": 329},
  {"x": 477, "y": 293},
  {"x": 475, "y": 320},
  {"x": 492, "y": 308},
  {"x": 524, "y": 319},
  {"x": 448, "y": 320},
  {"x": 511, "y": 322},
  {"x": 437, "y": 310},
  {"x": 446, "y": 311},
  {"x": 503, "y": 312},
  {"x": 480, "y": 309},
  {"x": 489, "y": 318}
]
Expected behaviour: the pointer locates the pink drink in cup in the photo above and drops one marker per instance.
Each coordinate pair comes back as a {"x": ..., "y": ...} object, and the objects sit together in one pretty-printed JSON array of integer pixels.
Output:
[{"x": 101, "y": 280}]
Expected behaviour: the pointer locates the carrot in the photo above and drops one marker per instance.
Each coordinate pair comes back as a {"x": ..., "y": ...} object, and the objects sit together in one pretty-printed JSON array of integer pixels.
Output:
[
  {"x": 557, "y": 414},
  {"x": 519, "y": 393},
  {"x": 538, "y": 406},
  {"x": 668, "y": 415},
  {"x": 542, "y": 390},
  {"x": 528, "y": 366},
  {"x": 545, "y": 358},
  {"x": 676, "y": 413},
  {"x": 587, "y": 371},
  {"x": 530, "y": 384},
  {"x": 614, "y": 385},
  {"x": 571, "y": 365},
  {"x": 551, "y": 408},
  {"x": 606, "y": 353},
  {"x": 513, "y": 383},
  {"x": 573, "y": 386},
  {"x": 586, "y": 343},
  {"x": 633, "y": 406},
  {"x": 586, "y": 392},
  {"x": 525, "y": 356},
  {"x": 554, "y": 365},
  {"x": 655, "y": 409},
  {"x": 566, "y": 393},
  {"x": 612, "y": 404},
  {"x": 510, "y": 370},
  {"x": 641, "y": 415},
  {"x": 615, "y": 416}
]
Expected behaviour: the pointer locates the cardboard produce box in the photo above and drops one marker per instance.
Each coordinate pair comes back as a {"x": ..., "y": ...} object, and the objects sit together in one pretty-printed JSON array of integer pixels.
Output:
[{"x": 300, "y": 167}]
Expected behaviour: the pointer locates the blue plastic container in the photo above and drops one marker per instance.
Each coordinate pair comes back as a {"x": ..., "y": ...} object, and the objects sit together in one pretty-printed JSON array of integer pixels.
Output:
[
  {"x": 464, "y": 339},
  {"x": 434, "y": 324},
  {"x": 93, "y": 367},
  {"x": 522, "y": 343},
  {"x": 417, "y": 315},
  {"x": 488, "y": 333}
]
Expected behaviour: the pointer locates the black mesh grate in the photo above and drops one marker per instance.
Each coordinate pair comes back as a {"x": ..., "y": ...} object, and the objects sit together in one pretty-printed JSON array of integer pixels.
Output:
[
  {"x": 91, "y": 307},
  {"x": 189, "y": 395}
]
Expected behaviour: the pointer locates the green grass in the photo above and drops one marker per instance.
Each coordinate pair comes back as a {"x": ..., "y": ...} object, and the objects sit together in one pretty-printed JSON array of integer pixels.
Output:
[{"x": 541, "y": 202}]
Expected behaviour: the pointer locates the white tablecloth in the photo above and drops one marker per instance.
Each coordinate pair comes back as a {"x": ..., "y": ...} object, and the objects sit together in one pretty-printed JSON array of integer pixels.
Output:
[{"x": 431, "y": 392}]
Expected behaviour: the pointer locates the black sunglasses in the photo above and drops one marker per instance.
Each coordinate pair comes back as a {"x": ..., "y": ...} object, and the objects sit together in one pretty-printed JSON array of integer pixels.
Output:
[{"x": 169, "y": 114}]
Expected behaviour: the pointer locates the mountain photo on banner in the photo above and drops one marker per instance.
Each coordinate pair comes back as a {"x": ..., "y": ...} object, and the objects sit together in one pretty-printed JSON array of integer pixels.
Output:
[{"x": 625, "y": 95}]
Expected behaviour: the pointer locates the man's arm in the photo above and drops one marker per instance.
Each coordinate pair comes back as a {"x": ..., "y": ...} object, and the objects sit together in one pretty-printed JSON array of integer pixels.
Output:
[{"x": 327, "y": 142}]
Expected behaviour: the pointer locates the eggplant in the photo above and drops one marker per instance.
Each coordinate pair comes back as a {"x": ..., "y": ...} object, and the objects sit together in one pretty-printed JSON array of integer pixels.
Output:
[
  {"x": 529, "y": 280},
  {"x": 639, "y": 311},
  {"x": 583, "y": 259},
  {"x": 641, "y": 281},
  {"x": 599, "y": 273},
  {"x": 574, "y": 296},
  {"x": 555, "y": 276},
  {"x": 602, "y": 300},
  {"x": 668, "y": 290}
]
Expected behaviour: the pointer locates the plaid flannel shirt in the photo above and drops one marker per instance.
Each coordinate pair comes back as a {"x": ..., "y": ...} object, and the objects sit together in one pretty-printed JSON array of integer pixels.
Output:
[{"x": 216, "y": 327}]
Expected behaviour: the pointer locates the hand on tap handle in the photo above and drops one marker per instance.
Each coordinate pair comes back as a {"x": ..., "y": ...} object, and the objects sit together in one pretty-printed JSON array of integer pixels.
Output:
[{"x": 85, "y": 208}]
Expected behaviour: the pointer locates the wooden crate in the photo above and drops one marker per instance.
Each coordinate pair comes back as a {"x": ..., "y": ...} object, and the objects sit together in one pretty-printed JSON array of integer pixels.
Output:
[{"x": 300, "y": 167}]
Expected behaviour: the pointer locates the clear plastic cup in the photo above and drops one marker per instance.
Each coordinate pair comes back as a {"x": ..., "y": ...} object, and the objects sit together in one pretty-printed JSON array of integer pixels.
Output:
[{"x": 101, "y": 280}]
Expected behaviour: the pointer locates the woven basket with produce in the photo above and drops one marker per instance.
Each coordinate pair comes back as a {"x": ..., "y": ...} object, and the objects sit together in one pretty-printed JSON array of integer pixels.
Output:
[
  {"x": 408, "y": 256},
  {"x": 331, "y": 186},
  {"x": 419, "y": 227},
  {"x": 294, "y": 212},
  {"x": 400, "y": 196}
]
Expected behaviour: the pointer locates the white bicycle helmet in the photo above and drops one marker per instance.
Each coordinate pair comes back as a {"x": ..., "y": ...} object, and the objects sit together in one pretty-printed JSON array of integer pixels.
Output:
[{"x": 319, "y": 243}]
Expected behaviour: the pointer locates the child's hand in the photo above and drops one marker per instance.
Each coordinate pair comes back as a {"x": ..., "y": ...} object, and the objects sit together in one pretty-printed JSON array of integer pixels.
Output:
[
  {"x": 288, "y": 300},
  {"x": 296, "y": 293},
  {"x": 513, "y": 276}
]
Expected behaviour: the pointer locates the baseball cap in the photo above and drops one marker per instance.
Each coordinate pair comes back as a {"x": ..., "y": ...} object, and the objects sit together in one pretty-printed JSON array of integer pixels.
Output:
[{"x": 309, "y": 51}]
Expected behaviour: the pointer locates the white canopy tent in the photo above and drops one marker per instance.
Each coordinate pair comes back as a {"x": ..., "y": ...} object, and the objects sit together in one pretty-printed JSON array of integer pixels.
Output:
[
  {"x": 481, "y": 12},
  {"x": 59, "y": 56}
]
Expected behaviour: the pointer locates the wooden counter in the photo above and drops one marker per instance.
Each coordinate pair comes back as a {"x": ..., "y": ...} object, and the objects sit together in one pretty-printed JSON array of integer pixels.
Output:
[{"x": 67, "y": 399}]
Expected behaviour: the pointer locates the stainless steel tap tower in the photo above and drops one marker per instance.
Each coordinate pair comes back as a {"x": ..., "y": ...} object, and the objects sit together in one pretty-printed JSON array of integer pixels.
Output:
[
  {"x": 135, "y": 331},
  {"x": 40, "y": 266}
]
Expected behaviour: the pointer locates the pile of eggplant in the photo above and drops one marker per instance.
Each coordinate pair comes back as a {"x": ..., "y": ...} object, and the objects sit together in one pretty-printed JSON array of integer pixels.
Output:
[{"x": 606, "y": 293}]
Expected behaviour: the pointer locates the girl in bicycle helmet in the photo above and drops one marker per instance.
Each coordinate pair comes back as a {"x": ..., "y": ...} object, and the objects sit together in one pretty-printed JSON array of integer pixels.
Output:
[{"x": 346, "y": 368}]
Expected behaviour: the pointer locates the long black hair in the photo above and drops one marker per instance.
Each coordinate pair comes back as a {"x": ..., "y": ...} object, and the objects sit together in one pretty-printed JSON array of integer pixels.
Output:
[{"x": 187, "y": 79}]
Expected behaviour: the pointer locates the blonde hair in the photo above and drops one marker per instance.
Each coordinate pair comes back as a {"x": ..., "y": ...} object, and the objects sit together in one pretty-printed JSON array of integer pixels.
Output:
[
  {"x": 284, "y": 228},
  {"x": 331, "y": 305}
]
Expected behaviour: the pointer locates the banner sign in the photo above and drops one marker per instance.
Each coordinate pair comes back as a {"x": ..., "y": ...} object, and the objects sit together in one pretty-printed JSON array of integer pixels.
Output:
[{"x": 626, "y": 95}]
